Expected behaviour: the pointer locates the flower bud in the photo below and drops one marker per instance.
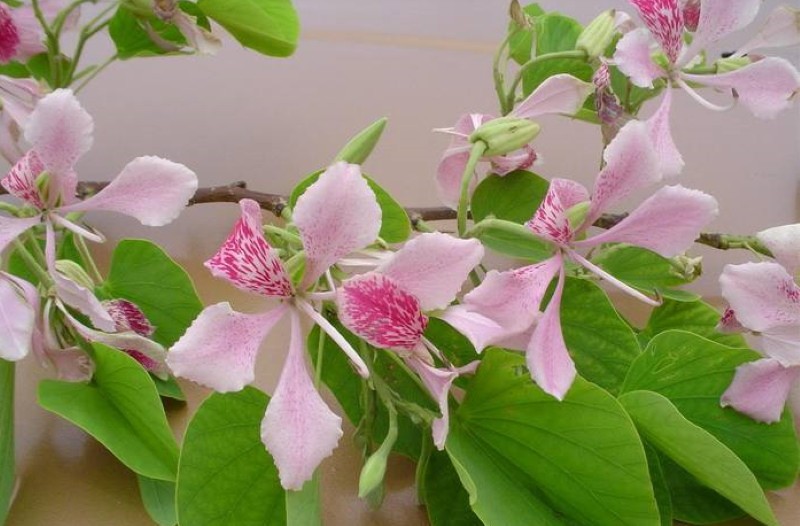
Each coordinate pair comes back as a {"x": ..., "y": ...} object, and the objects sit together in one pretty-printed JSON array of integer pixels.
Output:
[
  {"x": 726, "y": 65},
  {"x": 597, "y": 36},
  {"x": 505, "y": 135},
  {"x": 359, "y": 147},
  {"x": 74, "y": 272},
  {"x": 686, "y": 267},
  {"x": 372, "y": 473},
  {"x": 296, "y": 267}
]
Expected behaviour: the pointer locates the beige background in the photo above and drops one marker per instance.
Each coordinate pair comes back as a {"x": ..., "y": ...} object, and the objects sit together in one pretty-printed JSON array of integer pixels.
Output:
[{"x": 243, "y": 116}]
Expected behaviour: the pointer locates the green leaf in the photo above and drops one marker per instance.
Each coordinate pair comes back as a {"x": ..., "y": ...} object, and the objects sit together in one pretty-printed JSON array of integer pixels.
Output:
[
  {"x": 131, "y": 40},
  {"x": 660, "y": 487},
  {"x": 169, "y": 388},
  {"x": 697, "y": 317},
  {"x": 455, "y": 346},
  {"x": 520, "y": 44},
  {"x": 697, "y": 451},
  {"x": 303, "y": 508},
  {"x": 158, "y": 497},
  {"x": 121, "y": 409},
  {"x": 533, "y": 77},
  {"x": 7, "y": 465},
  {"x": 395, "y": 226},
  {"x": 357, "y": 149},
  {"x": 446, "y": 499},
  {"x": 14, "y": 70},
  {"x": 143, "y": 273},
  {"x": 226, "y": 477},
  {"x": 693, "y": 373},
  {"x": 512, "y": 239},
  {"x": 39, "y": 67},
  {"x": 270, "y": 27},
  {"x": 556, "y": 32},
  {"x": 639, "y": 268},
  {"x": 513, "y": 197},
  {"x": 581, "y": 457},
  {"x": 599, "y": 340},
  {"x": 632, "y": 97}
]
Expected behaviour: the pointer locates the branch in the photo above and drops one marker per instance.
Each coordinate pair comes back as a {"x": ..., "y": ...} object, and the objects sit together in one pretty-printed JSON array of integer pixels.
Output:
[{"x": 275, "y": 203}]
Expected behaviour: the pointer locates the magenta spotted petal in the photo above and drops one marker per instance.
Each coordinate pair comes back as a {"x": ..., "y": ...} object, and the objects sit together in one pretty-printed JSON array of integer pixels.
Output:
[
  {"x": 377, "y": 309},
  {"x": 21, "y": 179},
  {"x": 550, "y": 220},
  {"x": 128, "y": 317},
  {"x": 9, "y": 35},
  {"x": 247, "y": 260},
  {"x": 760, "y": 389},
  {"x": 664, "y": 19}
]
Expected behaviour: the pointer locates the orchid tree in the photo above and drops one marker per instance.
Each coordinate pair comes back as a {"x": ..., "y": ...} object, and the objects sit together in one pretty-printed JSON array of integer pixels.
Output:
[{"x": 520, "y": 392}]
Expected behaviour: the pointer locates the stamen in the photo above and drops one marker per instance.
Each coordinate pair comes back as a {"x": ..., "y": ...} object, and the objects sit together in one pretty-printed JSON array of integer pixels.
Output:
[
  {"x": 611, "y": 279},
  {"x": 335, "y": 335},
  {"x": 699, "y": 98}
]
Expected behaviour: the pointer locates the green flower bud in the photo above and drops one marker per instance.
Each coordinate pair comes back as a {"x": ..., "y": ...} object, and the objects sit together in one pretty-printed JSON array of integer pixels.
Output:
[
  {"x": 505, "y": 135},
  {"x": 686, "y": 267},
  {"x": 372, "y": 473},
  {"x": 576, "y": 215},
  {"x": 597, "y": 36},
  {"x": 296, "y": 267},
  {"x": 726, "y": 65},
  {"x": 359, "y": 147},
  {"x": 74, "y": 272}
]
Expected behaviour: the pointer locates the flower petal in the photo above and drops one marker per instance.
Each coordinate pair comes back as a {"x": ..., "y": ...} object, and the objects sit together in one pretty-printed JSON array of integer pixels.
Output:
[
  {"x": 661, "y": 136},
  {"x": 521, "y": 159},
  {"x": 728, "y": 323},
  {"x": 31, "y": 36},
  {"x": 19, "y": 97},
  {"x": 433, "y": 267},
  {"x": 759, "y": 389},
  {"x": 219, "y": 349},
  {"x": 719, "y": 18},
  {"x": 17, "y": 319},
  {"x": 60, "y": 131},
  {"x": 199, "y": 38},
  {"x": 336, "y": 215},
  {"x": 480, "y": 330},
  {"x": 438, "y": 382},
  {"x": 667, "y": 222},
  {"x": 13, "y": 227},
  {"x": 246, "y": 259},
  {"x": 128, "y": 317},
  {"x": 550, "y": 220},
  {"x": 558, "y": 94},
  {"x": 449, "y": 173},
  {"x": 784, "y": 243},
  {"x": 633, "y": 58},
  {"x": 782, "y": 28},
  {"x": 783, "y": 344},
  {"x": 763, "y": 295},
  {"x": 379, "y": 310},
  {"x": 299, "y": 429},
  {"x": 664, "y": 19},
  {"x": 153, "y": 190},
  {"x": 21, "y": 179},
  {"x": 548, "y": 360},
  {"x": 764, "y": 87},
  {"x": 631, "y": 164}
]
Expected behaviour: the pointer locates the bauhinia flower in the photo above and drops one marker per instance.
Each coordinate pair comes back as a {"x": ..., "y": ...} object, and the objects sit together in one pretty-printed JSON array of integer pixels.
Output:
[
  {"x": 386, "y": 307},
  {"x": 764, "y": 298},
  {"x": 21, "y": 34},
  {"x": 765, "y": 86},
  {"x": 336, "y": 215},
  {"x": 506, "y": 305},
  {"x": 18, "y": 98},
  {"x": 558, "y": 94}
]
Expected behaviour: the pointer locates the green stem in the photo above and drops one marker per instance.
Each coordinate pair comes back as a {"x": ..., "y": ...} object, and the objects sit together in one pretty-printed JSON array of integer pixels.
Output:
[
  {"x": 96, "y": 72},
  {"x": 285, "y": 234},
  {"x": 422, "y": 467},
  {"x": 61, "y": 19},
  {"x": 532, "y": 63},
  {"x": 83, "y": 250},
  {"x": 6, "y": 437},
  {"x": 33, "y": 265},
  {"x": 320, "y": 355},
  {"x": 469, "y": 171},
  {"x": 87, "y": 33},
  {"x": 36, "y": 248},
  {"x": 53, "y": 50},
  {"x": 499, "y": 79}
]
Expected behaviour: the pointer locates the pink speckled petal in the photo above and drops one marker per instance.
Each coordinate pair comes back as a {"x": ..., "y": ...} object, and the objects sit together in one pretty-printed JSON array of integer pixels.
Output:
[
  {"x": 759, "y": 389},
  {"x": 521, "y": 159},
  {"x": 219, "y": 349},
  {"x": 21, "y": 179},
  {"x": 433, "y": 267},
  {"x": 550, "y": 220},
  {"x": 480, "y": 330},
  {"x": 664, "y": 19},
  {"x": 729, "y": 323},
  {"x": 661, "y": 136},
  {"x": 379, "y": 310},
  {"x": 12, "y": 227},
  {"x": 558, "y": 94},
  {"x": 150, "y": 189},
  {"x": 17, "y": 318},
  {"x": 631, "y": 164},
  {"x": 633, "y": 58},
  {"x": 782, "y": 28},
  {"x": 31, "y": 36},
  {"x": 763, "y": 295},
  {"x": 128, "y": 317},
  {"x": 438, "y": 382},
  {"x": 299, "y": 429},
  {"x": 336, "y": 215},
  {"x": 764, "y": 87},
  {"x": 454, "y": 160},
  {"x": 549, "y": 361},
  {"x": 9, "y": 35},
  {"x": 247, "y": 260},
  {"x": 784, "y": 243},
  {"x": 19, "y": 97},
  {"x": 667, "y": 222},
  {"x": 719, "y": 18}
]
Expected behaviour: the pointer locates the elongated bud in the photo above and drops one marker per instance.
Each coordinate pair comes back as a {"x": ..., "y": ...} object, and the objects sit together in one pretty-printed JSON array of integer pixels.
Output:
[
  {"x": 597, "y": 36},
  {"x": 518, "y": 15},
  {"x": 296, "y": 267},
  {"x": 372, "y": 473},
  {"x": 725, "y": 65},
  {"x": 505, "y": 135},
  {"x": 357, "y": 150},
  {"x": 576, "y": 215},
  {"x": 74, "y": 272}
]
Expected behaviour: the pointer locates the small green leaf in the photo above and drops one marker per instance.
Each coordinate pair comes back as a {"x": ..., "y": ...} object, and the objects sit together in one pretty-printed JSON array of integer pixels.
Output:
[
  {"x": 512, "y": 239},
  {"x": 533, "y": 77},
  {"x": 455, "y": 346},
  {"x": 121, "y": 409},
  {"x": 226, "y": 477},
  {"x": 697, "y": 317},
  {"x": 7, "y": 464},
  {"x": 640, "y": 268},
  {"x": 513, "y": 197},
  {"x": 131, "y": 39},
  {"x": 556, "y": 32},
  {"x": 158, "y": 497},
  {"x": 357, "y": 149},
  {"x": 446, "y": 499},
  {"x": 697, "y": 451},
  {"x": 270, "y": 27},
  {"x": 169, "y": 388},
  {"x": 660, "y": 487},
  {"x": 520, "y": 44},
  {"x": 304, "y": 508}
]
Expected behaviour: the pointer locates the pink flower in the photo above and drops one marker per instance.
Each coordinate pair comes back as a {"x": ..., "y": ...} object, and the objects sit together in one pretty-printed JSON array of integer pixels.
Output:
[
  {"x": 18, "y": 98},
  {"x": 558, "y": 94},
  {"x": 335, "y": 216},
  {"x": 21, "y": 35},
  {"x": 385, "y": 307},
  {"x": 505, "y": 306}
]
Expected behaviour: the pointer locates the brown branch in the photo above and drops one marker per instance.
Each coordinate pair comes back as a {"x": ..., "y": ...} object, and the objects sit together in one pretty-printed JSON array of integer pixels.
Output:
[{"x": 275, "y": 203}]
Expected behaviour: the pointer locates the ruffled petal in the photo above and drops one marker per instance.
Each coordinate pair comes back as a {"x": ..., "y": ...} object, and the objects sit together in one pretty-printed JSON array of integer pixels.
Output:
[
  {"x": 336, "y": 215},
  {"x": 433, "y": 267},
  {"x": 480, "y": 330},
  {"x": 664, "y": 19},
  {"x": 784, "y": 243},
  {"x": 631, "y": 163},
  {"x": 247, "y": 260},
  {"x": 21, "y": 180},
  {"x": 379, "y": 310},
  {"x": 764, "y": 87},
  {"x": 438, "y": 382},
  {"x": 550, "y": 220},
  {"x": 153, "y": 190},
  {"x": 661, "y": 136},
  {"x": 299, "y": 429},
  {"x": 219, "y": 349},
  {"x": 763, "y": 295},
  {"x": 633, "y": 58},
  {"x": 719, "y": 18},
  {"x": 558, "y": 94},
  {"x": 667, "y": 222},
  {"x": 548, "y": 360},
  {"x": 759, "y": 389},
  {"x": 782, "y": 28},
  {"x": 17, "y": 318},
  {"x": 13, "y": 227},
  {"x": 522, "y": 159}
]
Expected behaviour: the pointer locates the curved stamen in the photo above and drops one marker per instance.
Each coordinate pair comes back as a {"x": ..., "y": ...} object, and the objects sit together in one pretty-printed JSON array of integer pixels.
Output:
[
  {"x": 97, "y": 237},
  {"x": 611, "y": 279},
  {"x": 335, "y": 335},
  {"x": 699, "y": 98}
]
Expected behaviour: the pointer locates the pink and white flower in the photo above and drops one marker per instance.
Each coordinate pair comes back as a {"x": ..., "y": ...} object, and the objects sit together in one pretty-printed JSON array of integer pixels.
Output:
[
  {"x": 336, "y": 215},
  {"x": 386, "y": 307},
  {"x": 21, "y": 35},
  {"x": 558, "y": 94},
  {"x": 505, "y": 307}
]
